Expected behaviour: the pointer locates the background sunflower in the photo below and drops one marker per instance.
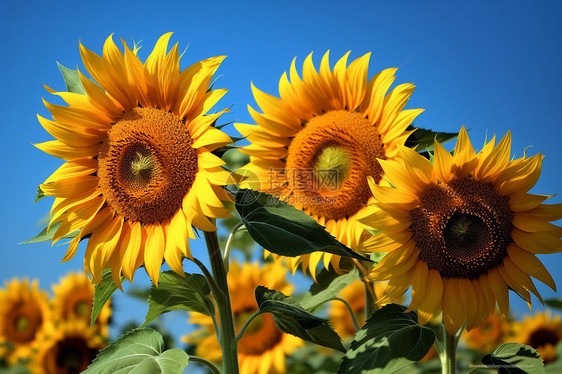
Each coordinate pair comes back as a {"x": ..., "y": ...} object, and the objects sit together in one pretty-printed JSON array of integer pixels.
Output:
[
  {"x": 24, "y": 313},
  {"x": 73, "y": 298},
  {"x": 263, "y": 348}
]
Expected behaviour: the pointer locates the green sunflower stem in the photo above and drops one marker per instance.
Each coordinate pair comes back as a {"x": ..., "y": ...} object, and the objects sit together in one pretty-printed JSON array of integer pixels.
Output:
[
  {"x": 227, "y": 333},
  {"x": 448, "y": 359},
  {"x": 370, "y": 299}
]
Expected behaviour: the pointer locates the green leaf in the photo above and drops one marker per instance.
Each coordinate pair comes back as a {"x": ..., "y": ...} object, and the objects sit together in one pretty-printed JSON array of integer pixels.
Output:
[
  {"x": 40, "y": 194},
  {"x": 291, "y": 318},
  {"x": 19, "y": 369},
  {"x": 102, "y": 294},
  {"x": 515, "y": 358},
  {"x": 283, "y": 229},
  {"x": 139, "y": 293},
  {"x": 327, "y": 286},
  {"x": 389, "y": 341},
  {"x": 71, "y": 80},
  {"x": 139, "y": 352},
  {"x": 177, "y": 293},
  {"x": 424, "y": 139},
  {"x": 47, "y": 235},
  {"x": 554, "y": 303}
]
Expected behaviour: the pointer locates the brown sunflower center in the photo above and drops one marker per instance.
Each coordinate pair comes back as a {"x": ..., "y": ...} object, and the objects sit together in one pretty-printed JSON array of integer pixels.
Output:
[
  {"x": 69, "y": 356},
  {"x": 260, "y": 336},
  {"x": 542, "y": 337},
  {"x": 146, "y": 165},
  {"x": 463, "y": 228},
  {"x": 23, "y": 322},
  {"x": 82, "y": 309},
  {"x": 329, "y": 161}
]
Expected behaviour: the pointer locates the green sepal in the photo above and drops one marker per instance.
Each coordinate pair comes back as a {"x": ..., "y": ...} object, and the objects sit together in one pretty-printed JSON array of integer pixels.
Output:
[
  {"x": 71, "y": 80},
  {"x": 423, "y": 140},
  {"x": 47, "y": 235},
  {"x": 40, "y": 194}
]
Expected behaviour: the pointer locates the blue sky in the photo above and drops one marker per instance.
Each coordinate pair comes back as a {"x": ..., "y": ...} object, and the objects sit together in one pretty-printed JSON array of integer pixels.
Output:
[{"x": 492, "y": 67}]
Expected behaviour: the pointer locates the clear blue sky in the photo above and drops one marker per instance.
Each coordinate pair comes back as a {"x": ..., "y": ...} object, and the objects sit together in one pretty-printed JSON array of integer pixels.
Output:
[{"x": 492, "y": 67}]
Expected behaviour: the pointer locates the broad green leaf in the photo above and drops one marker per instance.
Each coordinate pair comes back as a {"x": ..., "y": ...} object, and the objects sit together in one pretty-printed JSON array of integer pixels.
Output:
[
  {"x": 139, "y": 352},
  {"x": 178, "y": 293},
  {"x": 282, "y": 229},
  {"x": 47, "y": 235},
  {"x": 554, "y": 303},
  {"x": 102, "y": 294},
  {"x": 291, "y": 318},
  {"x": 389, "y": 341},
  {"x": 71, "y": 80},
  {"x": 424, "y": 139},
  {"x": 19, "y": 369},
  {"x": 515, "y": 358},
  {"x": 327, "y": 286},
  {"x": 40, "y": 194},
  {"x": 139, "y": 293}
]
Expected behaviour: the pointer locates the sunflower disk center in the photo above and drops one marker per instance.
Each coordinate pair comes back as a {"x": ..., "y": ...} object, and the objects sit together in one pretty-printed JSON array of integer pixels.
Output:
[
  {"x": 466, "y": 235},
  {"x": 147, "y": 165},
  {"x": 543, "y": 337},
  {"x": 462, "y": 228},
  {"x": 328, "y": 163}
]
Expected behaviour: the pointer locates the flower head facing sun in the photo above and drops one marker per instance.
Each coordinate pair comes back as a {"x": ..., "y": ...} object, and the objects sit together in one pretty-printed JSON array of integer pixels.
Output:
[
  {"x": 24, "y": 309},
  {"x": 315, "y": 146},
  {"x": 262, "y": 348},
  {"x": 140, "y": 171},
  {"x": 73, "y": 299},
  {"x": 463, "y": 231},
  {"x": 542, "y": 332},
  {"x": 67, "y": 348}
]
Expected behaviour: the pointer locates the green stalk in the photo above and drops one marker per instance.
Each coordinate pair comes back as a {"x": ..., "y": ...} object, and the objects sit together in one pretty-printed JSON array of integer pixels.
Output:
[
  {"x": 227, "y": 332},
  {"x": 448, "y": 359},
  {"x": 370, "y": 299}
]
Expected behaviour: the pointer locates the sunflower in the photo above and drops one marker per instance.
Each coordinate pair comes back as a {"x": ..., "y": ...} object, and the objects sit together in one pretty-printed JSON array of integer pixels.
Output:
[
  {"x": 73, "y": 298},
  {"x": 541, "y": 331},
  {"x": 66, "y": 348},
  {"x": 354, "y": 294},
  {"x": 315, "y": 145},
  {"x": 463, "y": 231},
  {"x": 139, "y": 170},
  {"x": 488, "y": 336},
  {"x": 263, "y": 347},
  {"x": 24, "y": 309}
]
